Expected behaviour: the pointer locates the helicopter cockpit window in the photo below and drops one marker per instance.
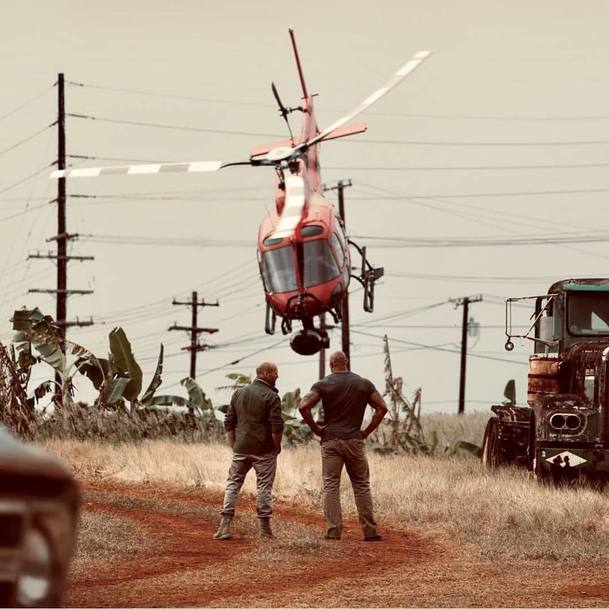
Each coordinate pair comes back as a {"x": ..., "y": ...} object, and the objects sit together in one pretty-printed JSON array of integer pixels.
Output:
[
  {"x": 588, "y": 313},
  {"x": 319, "y": 264},
  {"x": 311, "y": 230},
  {"x": 272, "y": 240},
  {"x": 278, "y": 270},
  {"x": 341, "y": 235},
  {"x": 338, "y": 250}
]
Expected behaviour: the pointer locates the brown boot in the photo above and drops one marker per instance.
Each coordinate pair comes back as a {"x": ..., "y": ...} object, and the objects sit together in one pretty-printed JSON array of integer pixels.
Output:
[
  {"x": 223, "y": 531},
  {"x": 265, "y": 528}
]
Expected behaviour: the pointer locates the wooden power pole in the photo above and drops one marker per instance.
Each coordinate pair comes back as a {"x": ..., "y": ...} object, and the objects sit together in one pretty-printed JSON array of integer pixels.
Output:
[
  {"x": 62, "y": 237},
  {"x": 345, "y": 334},
  {"x": 194, "y": 330},
  {"x": 464, "y": 302}
]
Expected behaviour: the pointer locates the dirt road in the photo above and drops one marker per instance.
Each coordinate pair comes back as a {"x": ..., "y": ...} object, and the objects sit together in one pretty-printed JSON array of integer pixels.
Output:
[{"x": 166, "y": 557}]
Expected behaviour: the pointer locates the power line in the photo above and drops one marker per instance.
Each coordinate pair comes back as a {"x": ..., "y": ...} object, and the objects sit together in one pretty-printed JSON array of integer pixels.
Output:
[
  {"x": 408, "y": 342},
  {"x": 27, "y": 139},
  {"x": 482, "y": 278},
  {"x": 174, "y": 127},
  {"x": 167, "y": 241},
  {"x": 238, "y": 361},
  {"x": 370, "y": 113},
  {"x": 470, "y": 167},
  {"x": 473, "y": 195},
  {"x": 448, "y": 143},
  {"x": 168, "y": 95},
  {"x": 26, "y": 103},
  {"x": 26, "y": 178}
]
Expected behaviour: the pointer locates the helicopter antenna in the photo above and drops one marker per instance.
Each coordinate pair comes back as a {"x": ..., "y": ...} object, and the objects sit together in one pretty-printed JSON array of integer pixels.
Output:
[
  {"x": 305, "y": 94},
  {"x": 283, "y": 110}
]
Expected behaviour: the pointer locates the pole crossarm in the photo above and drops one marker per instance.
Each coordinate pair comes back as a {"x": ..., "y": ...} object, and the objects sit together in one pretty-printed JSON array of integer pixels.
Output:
[
  {"x": 62, "y": 292},
  {"x": 53, "y": 256},
  {"x": 63, "y": 237}
]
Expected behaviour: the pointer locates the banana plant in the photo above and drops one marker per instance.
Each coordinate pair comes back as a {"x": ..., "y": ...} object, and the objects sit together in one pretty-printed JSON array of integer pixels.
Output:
[
  {"x": 295, "y": 430},
  {"x": 34, "y": 330}
]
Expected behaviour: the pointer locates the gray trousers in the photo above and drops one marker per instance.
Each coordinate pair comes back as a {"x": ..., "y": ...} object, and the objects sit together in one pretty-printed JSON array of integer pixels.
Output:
[
  {"x": 265, "y": 467},
  {"x": 351, "y": 454}
]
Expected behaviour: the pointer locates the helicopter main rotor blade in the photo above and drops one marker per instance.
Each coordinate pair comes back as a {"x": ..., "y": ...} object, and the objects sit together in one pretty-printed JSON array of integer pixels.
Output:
[
  {"x": 404, "y": 71},
  {"x": 150, "y": 168}
]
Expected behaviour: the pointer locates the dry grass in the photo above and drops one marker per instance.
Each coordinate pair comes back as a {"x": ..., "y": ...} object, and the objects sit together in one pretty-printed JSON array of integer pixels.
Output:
[
  {"x": 452, "y": 428},
  {"x": 502, "y": 512},
  {"x": 102, "y": 536}
]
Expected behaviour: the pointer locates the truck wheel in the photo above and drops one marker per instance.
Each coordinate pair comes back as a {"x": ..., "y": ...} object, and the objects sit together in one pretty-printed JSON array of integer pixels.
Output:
[{"x": 491, "y": 457}]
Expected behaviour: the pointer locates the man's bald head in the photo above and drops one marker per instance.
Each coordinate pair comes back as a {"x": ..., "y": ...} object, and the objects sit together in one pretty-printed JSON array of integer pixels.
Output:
[
  {"x": 338, "y": 361},
  {"x": 267, "y": 371}
]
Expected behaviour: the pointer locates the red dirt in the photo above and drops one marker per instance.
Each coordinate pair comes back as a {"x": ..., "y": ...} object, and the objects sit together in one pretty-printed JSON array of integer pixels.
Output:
[{"x": 408, "y": 568}]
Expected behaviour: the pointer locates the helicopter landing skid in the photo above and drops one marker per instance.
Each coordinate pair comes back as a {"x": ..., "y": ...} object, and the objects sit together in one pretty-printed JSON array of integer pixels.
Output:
[{"x": 367, "y": 277}]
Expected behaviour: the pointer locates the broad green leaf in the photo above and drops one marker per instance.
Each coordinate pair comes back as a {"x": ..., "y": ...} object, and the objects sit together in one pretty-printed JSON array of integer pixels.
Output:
[
  {"x": 196, "y": 395},
  {"x": 114, "y": 389},
  {"x": 125, "y": 363},
  {"x": 96, "y": 369},
  {"x": 510, "y": 392},
  {"x": 43, "y": 389},
  {"x": 432, "y": 440},
  {"x": 463, "y": 445},
  {"x": 23, "y": 319},
  {"x": 156, "y": 380}
]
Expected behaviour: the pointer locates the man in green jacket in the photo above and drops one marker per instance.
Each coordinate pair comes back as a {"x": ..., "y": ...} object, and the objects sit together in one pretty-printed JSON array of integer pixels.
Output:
[{"x": 254, "y": 427}]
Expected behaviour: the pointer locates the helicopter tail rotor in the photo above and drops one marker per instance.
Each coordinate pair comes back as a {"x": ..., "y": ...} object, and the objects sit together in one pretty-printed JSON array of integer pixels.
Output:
[{"x": 283, "y": 111}]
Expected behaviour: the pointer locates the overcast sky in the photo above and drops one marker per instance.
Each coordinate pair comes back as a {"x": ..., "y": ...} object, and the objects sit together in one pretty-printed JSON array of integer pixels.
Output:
[{"x": 502, "y": 134}]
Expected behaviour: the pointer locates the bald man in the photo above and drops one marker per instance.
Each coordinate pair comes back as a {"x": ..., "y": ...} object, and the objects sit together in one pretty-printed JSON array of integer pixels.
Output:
[
  {"x": 254, "y": 427},
  {"x": 344, "y": 397}
]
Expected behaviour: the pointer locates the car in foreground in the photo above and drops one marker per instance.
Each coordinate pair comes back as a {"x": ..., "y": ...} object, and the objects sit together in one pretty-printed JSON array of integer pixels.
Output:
[{"x": 39, "y": 504}]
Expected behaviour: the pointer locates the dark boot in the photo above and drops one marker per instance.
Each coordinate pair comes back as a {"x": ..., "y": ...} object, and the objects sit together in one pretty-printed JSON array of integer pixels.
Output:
[
  {"x": 265, "y": 528},
  {"x": 223, "y": 531}
]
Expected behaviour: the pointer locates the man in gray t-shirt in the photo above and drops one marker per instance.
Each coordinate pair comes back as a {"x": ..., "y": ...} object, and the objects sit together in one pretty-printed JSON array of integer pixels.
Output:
[{"x": 344, "y": 397}]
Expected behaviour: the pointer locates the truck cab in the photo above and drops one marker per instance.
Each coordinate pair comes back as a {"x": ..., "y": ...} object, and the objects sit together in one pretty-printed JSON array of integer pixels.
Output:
[{"x": 563, "y": 431}]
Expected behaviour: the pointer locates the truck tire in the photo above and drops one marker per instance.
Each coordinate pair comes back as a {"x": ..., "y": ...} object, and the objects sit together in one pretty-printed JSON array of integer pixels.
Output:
[{"x": 491, "y": 455}]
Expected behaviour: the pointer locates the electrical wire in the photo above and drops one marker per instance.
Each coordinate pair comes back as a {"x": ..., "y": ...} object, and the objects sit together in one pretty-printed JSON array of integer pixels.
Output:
[
  {"x": 407, "y": 342},
  {"x": 405, "y": 242},
  {"x": 470, "y": 167},
  {"x": 172, "y": 127},
  {"x": 26, "y": 178},
  {"x": 26, "y": 103},
  {"x": 27, "y": 139}
]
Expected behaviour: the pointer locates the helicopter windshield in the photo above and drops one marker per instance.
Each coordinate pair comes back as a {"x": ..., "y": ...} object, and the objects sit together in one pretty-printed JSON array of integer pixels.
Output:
[
  {"x": 319, "y": 264},
  {"x": 588, "y": 313},
  {"x": 278, "y": 270}
]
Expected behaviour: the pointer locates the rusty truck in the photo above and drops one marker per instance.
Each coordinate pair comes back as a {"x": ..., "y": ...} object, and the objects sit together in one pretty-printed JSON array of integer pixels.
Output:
[{"x": 563, "y": 431}]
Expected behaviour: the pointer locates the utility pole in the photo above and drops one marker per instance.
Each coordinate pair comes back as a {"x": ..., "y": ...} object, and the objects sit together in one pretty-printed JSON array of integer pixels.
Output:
[
  {"x": 62, "y": 237},
  {"x": 345, "y": 334},
  {"x": 464, "y": 302},
  {"x": 322, "y": 351},
  {"x": 194, "y": 330}
]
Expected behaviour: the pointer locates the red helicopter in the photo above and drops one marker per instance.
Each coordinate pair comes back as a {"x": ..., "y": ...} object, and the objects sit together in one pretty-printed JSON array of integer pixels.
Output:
[{"x": 303, "y": 252}]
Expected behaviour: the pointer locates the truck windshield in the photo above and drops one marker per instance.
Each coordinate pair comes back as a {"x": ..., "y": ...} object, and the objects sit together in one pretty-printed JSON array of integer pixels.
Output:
[
  {"x": 319, "y": 264},
  {"x": 278, "y": 270},
  {"x": 588, "y": 313}
]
